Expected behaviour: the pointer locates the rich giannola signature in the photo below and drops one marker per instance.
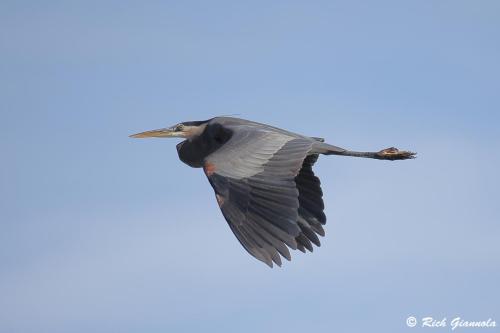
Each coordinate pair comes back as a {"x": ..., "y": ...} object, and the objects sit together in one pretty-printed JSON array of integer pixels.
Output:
[{"x": 454, "y": 323}]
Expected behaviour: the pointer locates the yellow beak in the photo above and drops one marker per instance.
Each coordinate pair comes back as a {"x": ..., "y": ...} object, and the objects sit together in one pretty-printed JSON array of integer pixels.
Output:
[{"x": 159, "y": 133}]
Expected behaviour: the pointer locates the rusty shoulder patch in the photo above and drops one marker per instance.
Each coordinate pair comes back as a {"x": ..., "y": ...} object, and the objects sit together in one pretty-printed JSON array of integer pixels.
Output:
[
  {"x": 220, "y": 199},
  {"x": 209, "y": 168}
]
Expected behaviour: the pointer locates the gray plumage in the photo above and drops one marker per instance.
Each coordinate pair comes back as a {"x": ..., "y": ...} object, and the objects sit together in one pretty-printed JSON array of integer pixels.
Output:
[{"x": 263, "y": 180}]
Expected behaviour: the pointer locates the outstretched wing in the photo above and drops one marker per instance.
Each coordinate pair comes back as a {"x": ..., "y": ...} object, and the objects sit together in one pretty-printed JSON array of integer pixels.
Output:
[
  {"x": 263, "y": 194},
  {"x": 311, "y": 206}
]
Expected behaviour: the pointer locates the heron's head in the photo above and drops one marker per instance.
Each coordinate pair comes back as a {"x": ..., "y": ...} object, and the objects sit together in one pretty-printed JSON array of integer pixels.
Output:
[{"x": 185, "y": 130}]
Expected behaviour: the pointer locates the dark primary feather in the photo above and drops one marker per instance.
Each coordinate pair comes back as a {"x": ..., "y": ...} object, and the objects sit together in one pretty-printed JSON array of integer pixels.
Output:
[
  {"x": 311, "y": 216},
  {"x": 267, "y": 190}
]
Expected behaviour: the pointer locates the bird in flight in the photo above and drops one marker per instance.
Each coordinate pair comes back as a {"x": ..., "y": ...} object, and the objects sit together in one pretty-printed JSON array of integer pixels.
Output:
[{"x": 263, "y": 180}]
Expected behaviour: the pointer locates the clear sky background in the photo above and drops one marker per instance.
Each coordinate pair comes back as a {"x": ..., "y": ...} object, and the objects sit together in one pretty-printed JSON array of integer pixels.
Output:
[{"x": 103, "y": 233}]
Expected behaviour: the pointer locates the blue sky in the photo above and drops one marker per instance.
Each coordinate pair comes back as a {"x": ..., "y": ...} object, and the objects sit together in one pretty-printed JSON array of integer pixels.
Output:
[{"x": 99, "y": 232}]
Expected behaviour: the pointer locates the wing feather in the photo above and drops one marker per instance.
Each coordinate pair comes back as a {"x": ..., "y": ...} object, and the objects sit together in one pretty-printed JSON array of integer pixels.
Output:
[{"x": 268, "y": 192}]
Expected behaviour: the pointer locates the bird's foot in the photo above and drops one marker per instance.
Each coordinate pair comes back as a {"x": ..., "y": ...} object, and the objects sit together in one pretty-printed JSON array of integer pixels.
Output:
[{"x": 395, "y": 154}]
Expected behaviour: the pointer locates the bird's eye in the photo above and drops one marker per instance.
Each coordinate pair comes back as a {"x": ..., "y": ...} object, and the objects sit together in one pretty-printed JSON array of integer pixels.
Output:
[{"x": 179, "y": 128}]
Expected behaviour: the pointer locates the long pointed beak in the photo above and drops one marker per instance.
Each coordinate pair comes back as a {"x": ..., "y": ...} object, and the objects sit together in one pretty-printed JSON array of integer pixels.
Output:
[{"x": 158, "y": 133}]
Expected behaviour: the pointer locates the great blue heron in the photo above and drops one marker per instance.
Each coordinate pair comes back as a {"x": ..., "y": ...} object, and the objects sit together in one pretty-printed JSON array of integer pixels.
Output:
[{"x": 263, "y": 180}]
